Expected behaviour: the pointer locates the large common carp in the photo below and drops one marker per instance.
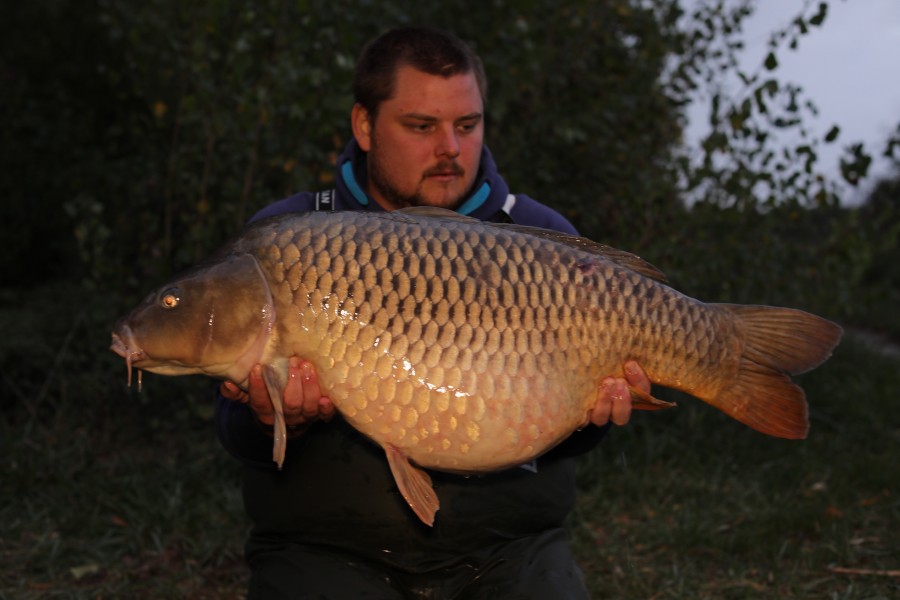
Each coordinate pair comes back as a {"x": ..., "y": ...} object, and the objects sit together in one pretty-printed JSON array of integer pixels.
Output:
[{"x": 459, "y": 345}]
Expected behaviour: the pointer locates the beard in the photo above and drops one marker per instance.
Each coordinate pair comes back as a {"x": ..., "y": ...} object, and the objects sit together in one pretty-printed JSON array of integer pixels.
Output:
[{"x": 381, "y": 181}]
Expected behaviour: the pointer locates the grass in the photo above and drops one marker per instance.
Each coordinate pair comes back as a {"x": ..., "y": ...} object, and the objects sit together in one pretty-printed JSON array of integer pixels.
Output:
[
  {"x": 109, "y": 493},
  {"x": 106, "y": 492},
  {"x": 691, "y": 505}
]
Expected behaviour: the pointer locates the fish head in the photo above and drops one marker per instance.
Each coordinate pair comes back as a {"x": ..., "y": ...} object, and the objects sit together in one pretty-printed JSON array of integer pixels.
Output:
[{"x": 215, "y": 319}]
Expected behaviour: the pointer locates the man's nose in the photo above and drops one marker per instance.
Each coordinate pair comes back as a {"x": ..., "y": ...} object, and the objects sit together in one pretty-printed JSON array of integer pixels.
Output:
[{"x": 447, "y": 143}]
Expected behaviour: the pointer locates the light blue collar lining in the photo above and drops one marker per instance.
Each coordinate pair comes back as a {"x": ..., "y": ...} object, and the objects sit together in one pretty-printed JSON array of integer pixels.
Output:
[
  {"x": 475, "y": 200},
  {"x": 350, "y": 180},
  {"x": 469, "y": 206}
]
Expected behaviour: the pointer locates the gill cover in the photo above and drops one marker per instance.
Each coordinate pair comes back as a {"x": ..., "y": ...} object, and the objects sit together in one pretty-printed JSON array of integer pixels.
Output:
[{"x": 214, "y": 319}]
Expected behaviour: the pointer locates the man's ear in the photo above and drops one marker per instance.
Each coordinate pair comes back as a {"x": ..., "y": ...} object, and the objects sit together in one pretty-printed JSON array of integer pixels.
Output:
[{"x": 362, "y": 126}]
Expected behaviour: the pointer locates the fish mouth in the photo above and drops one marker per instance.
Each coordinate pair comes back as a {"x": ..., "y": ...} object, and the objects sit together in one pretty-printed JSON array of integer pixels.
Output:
[{"x": 131, "y": 354}]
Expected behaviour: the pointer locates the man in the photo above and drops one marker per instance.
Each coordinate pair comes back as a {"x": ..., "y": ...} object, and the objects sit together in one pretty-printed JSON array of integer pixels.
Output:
[{"x": 331, "y": 524}]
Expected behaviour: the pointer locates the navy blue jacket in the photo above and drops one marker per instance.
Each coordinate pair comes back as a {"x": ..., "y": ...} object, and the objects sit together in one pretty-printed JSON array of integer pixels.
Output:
[
  {"x": 336, "y": 488},
  {"x": 490, "y": 197}
]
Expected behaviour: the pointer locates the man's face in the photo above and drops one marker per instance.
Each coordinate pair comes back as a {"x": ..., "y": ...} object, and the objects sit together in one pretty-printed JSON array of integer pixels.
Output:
[{"x": 424, "y": 146}]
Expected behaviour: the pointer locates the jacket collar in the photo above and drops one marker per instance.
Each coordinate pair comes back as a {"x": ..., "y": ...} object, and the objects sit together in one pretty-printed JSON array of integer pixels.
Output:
[{"x": 490, "y": 190}]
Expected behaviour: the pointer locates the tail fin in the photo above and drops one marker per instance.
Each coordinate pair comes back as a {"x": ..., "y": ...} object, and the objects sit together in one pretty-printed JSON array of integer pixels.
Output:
[{"x": 778, "y": 342}]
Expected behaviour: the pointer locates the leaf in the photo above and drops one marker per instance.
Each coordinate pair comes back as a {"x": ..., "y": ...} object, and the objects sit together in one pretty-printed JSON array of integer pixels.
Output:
[
  {"x": 83, "y": 571},
  {"x": 889, "y": 149},
  {"x": 759, "y": 101},
  {"x": 771, "y": 62},
  {"x": 819, "y": 18},
  {"x": 832, "y": 133},
  {"x": 877, "y": 572}
]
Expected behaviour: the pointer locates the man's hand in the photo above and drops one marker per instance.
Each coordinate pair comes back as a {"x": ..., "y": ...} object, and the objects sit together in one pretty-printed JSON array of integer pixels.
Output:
[
  {"x": 614, "y": 399},
  {"x": 303, "y": 399}
]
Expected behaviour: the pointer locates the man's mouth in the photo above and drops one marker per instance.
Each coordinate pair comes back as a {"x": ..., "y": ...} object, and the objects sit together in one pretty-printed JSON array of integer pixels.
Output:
[{"x": 443, "y": 176}]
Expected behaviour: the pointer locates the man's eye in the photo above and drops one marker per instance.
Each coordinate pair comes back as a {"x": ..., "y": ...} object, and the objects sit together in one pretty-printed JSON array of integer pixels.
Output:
[{"x": 468, "y": 127}]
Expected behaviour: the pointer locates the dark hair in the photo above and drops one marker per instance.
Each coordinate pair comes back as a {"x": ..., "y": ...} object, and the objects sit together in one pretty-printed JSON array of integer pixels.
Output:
[{"x": 429, "y": 50}]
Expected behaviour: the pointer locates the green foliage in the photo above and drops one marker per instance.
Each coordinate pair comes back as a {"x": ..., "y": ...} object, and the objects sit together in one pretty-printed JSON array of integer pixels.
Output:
[
  {"x": 787, "y": 256},
  {"x": 760, "y": 151},
  {"x": 879, "y": 285},
  {"x": 570, "y": 113},
  {"x": 175, "y": 122},
  {"x": 63, "y": 127},
  {"x": 240, "y": 105},
  {"x": 187, "y": 118}
]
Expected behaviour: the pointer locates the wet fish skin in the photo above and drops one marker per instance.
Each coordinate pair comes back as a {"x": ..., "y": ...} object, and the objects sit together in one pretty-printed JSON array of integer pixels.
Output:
[{"x": 465, "y": 346}]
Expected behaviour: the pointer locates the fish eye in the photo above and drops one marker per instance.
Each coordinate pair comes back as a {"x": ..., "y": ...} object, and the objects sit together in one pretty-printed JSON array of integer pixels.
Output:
[{"x": 170, "y": 298}]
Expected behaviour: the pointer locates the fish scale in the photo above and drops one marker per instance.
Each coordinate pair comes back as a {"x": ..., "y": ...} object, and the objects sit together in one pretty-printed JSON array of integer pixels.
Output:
[
  {"x": 510, "y": 314},
  {"x": 460, "y": 345},
  {"x": 426, "y": 285}
]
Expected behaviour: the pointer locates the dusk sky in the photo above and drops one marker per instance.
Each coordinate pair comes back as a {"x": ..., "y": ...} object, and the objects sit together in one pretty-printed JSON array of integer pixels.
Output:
[{"x": 849, "y": 67}]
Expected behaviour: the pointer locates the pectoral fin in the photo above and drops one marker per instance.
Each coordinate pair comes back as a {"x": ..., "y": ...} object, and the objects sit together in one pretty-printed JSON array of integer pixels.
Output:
[
  {"x": 641, "y": 400},
  {"x": 279, "y": 431},
  {"x": 414, "y": 485}
]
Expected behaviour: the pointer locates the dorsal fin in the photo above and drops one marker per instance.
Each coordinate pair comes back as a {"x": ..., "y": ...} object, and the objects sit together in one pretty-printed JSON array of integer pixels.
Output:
[
  {"x": 435, "y": 212},
  {"x": 620, "y": 257}
]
